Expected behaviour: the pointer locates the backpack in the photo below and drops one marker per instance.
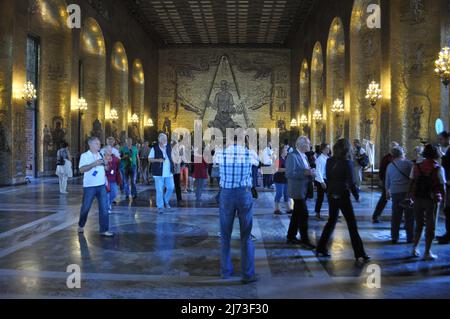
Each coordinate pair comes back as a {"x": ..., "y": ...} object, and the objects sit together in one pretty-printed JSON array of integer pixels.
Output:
[{"x": 424, "y": 185}]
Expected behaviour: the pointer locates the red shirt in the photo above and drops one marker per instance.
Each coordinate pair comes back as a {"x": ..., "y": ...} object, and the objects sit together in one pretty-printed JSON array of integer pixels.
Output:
[
  {"x": 200, "y": 169},
  {"x": 112, "y": 170}
]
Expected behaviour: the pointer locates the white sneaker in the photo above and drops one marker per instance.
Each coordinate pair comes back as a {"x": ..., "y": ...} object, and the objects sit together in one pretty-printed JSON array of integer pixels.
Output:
[
  {"x": 107, "y": 234},
  {"x": 415, "y": 253},
  {"x": 430, "y": 256},
  {"x": 80, "y": 230}
]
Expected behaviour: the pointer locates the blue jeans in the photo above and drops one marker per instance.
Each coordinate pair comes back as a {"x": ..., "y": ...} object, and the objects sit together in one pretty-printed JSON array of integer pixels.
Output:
[
  {"x": 200, "y": 184},
  {"x": 130, "y": 174},
  {"x": 161, "y": 183},
  {"x": 241, "y": 201},
  {"x": 89, "y": 194},
  {"x": 112, "y": 194},
  {"x": 281, "y": 191}
]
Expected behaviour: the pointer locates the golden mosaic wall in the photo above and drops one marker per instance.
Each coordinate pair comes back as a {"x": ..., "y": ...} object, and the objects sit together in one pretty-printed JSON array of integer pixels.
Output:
[
  {"x": 6, "y": 65},
  {"x": 257, "y": 79},
  {"x": 415, "y": 42}
]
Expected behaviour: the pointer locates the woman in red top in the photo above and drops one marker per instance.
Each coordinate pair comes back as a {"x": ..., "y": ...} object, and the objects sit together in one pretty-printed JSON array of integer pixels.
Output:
[
  {"x": 112, "y": 169},
  {"x": 427, "y": 192},
  {"x": 200, "y": 175}
]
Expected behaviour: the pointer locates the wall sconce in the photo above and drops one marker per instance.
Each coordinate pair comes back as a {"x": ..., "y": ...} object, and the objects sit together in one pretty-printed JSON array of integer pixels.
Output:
[
  {"x": 82, "y": 105},
  {"x": 134, "y": 119},
  {"x": 29, "y": 94},
  {"x": 304, "y": 120},
  {"x": 373, "y": 93},
  {"x": 113, "y": 115},
  {"x": 294, "y": 123},
  {"x": 338, "y": 107},
  {"x": 149, "y": 123},
  {"x": 443, "y": 66},
  {"x": 317, "y": 117}
]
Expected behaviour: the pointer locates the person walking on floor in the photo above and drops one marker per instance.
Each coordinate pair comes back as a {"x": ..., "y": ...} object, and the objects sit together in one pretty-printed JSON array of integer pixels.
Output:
[
  {"x": 396, "y": 188},
  {"x": 162, "y": 171},
  {"x": 444, "y": 149},
  {"x": 340, "y": 180},
  {"x": 177, "y": 175},
  {"x": 381, "y": 205},
  {"x": 200, "y": 175},
  {"x": 92, "y": 166},
  {"x": 267, "y": 163},
  {"x": 113, "y": 175},
  {"x": 427, "y": 192},
  {"x": 360, "y": 162},
  {"x": 64, "y": 169},
  {"x": 129, "y": 155},
  {"x": 281, "y": 184},
  {"x": 320, "y": 180},
  {"x": 235, "y": 163},
  {"x": 299, "y": 176}
]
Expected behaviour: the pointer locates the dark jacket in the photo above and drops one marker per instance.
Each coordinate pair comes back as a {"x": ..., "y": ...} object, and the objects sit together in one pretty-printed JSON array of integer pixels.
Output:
[
  {"x": 157, "y": 168},
  {"x": 387, "y": 159},
  {"x": 340, "y": 178},
  {"x": 446, "y": 164}
]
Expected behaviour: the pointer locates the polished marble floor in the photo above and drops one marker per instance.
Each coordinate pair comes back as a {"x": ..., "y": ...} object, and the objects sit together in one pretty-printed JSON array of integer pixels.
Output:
[{"x": 176, "y": 255}]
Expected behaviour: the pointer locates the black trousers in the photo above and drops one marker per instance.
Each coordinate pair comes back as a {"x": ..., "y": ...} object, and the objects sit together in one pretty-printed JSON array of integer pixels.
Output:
[
  {"x": 299, "y": 221},
  {"x": 343, "y": 204},
  {"x": 320, "y": 197},
  {"x": 381, "y": 204},
  {"x": 177, "y": 182}
]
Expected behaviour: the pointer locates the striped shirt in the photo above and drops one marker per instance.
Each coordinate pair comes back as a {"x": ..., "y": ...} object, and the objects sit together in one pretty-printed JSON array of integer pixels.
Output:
[{"x": 236, "y": 166}]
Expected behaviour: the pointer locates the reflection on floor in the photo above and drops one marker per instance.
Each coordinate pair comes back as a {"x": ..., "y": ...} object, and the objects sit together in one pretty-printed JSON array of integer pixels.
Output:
[{"x": 176, "y": 255}]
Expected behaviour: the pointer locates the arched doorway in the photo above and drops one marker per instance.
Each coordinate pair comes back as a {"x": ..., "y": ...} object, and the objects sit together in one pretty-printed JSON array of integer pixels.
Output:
[
  {"x": 317, "y": 91},
  {"x": 365, "y": 54},
  {"x": 137, "y": 99},
  {"x": 304, "y": 98},
  {"x": 335, "y": 79},
  {"x": 49, "y": 63},
  {"x": 92, "y": 86},
  {"x": 119, "y": 91}
]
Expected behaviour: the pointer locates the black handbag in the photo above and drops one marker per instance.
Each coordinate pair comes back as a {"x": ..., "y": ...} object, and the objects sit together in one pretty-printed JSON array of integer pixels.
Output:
[{"x": 255, "y": 193}]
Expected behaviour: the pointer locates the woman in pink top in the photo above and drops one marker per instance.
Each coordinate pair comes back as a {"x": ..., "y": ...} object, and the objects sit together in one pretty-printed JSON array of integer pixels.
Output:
[{"x": 200, "y": 175}]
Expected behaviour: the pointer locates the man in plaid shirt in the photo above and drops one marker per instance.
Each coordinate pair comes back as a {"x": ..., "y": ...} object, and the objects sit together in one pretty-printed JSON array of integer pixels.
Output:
[{"x": 236, "y": 182}]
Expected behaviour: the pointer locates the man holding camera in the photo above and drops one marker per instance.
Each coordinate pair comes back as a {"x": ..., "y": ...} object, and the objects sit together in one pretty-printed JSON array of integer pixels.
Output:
[{"x": 92, "y": 165}]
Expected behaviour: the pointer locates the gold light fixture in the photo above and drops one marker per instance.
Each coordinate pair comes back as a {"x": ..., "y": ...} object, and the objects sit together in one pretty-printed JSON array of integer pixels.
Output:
[
  {"x": 443, "y": 66},
  {"x": 82, "y": 105},
  {"x": 294, "y": 123},
  {"x": 135, "y": 118},
  {"x": 373, "y": 93},
  {"x": 149, "y": 123},
  {"x": 29, "y": 93},
  {"x": 338, "y": 107},
  {"x": 304, "y": 120},
  {"x": 317, "y": 116},
  {"x": 113, "y": 115}
]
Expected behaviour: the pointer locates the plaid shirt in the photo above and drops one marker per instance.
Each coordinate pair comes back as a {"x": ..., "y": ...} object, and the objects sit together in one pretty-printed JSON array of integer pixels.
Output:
[{"x": 236, "y": 166}]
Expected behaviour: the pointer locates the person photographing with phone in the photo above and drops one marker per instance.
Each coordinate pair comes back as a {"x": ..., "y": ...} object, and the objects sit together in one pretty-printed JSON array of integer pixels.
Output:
[{"x": 92, "y": 165}]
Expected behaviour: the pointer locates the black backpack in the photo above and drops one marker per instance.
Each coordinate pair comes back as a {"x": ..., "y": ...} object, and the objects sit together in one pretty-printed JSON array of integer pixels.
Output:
[{"x": 424, "y": 185}]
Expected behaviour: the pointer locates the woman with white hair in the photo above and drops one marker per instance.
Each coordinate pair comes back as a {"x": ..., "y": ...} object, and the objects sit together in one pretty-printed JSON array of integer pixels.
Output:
[
  {"x": 397, "y": 186},
  {"x": 162, "y": 171}
]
